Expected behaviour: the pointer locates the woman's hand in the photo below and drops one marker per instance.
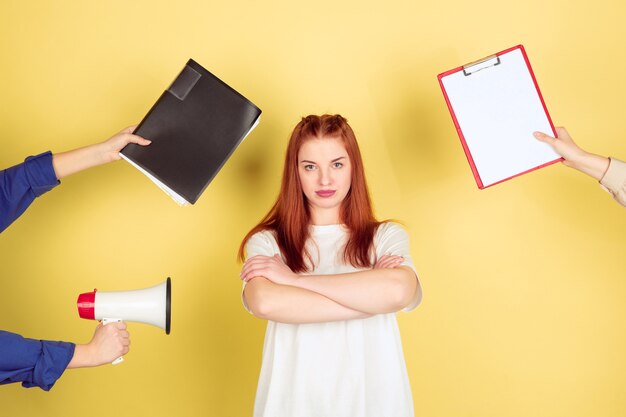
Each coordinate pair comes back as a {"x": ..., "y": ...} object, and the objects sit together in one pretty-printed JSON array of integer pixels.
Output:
[
  {"x": 574, "y": 156},
  {"x": 271, "y": 267},
  {"x": 70, "y": 162},
  {"x": 111, "y": 147},
  {"x": 564, "y": 145},
  {"x": 108, "y": 343},
  {"x": 389, "y": 261}
]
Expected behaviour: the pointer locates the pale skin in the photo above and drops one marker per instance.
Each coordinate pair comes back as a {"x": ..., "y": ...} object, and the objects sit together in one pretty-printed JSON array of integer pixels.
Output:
[
  {"x": 111, "y": 341},
  {"x": 575, "y": 157},
  {"x": 108, "y": 343},
  {"x": 71, "y": 162},
  {"x": 276, "y": 293}
]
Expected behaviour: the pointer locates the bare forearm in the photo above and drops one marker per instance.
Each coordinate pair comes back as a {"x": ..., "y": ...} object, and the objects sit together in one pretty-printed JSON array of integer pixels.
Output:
[
  {"x": 590, "y": 164},
  {"x": 82, "y": 357},
  {"x": 70, "y": 162},
  {"x": 375, "y": 291},
  {"x": 288, "y": 304}
]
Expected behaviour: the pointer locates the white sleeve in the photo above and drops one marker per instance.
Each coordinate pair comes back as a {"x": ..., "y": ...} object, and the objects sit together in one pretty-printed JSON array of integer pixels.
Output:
[
  {"x": 392, "y": 239},
  {"x": 261, "y": 243}
]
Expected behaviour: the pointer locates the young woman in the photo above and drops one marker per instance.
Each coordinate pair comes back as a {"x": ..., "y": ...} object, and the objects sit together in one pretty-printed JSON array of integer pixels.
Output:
[{"x": 329, "y": 277}]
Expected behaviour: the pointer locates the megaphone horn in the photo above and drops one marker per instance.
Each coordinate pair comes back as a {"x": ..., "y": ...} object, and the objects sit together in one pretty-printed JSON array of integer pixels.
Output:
[{"x": 149, "y": 305}]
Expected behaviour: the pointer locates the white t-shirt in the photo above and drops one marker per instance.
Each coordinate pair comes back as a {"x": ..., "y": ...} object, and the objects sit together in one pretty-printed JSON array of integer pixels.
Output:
[{"x": 351, "y": 368}]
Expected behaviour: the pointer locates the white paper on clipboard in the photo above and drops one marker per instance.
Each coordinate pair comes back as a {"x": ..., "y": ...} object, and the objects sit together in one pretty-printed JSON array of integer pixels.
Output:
[{"x": 496, "y": 106}]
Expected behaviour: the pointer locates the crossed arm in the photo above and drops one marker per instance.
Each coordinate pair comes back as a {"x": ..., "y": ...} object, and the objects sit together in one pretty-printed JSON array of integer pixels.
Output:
[{"x": 275, "y": 293}]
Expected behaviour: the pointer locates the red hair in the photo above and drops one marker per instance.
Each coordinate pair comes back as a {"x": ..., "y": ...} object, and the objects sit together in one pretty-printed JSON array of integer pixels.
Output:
[{"x": 289, "y": 218}]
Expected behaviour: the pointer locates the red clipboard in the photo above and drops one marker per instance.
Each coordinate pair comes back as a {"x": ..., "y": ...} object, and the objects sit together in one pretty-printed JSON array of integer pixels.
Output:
[{"x": 496, "y": 105}]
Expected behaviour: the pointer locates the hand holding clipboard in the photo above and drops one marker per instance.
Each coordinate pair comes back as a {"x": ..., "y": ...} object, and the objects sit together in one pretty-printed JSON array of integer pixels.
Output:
[{"x": 496, "y": 106}]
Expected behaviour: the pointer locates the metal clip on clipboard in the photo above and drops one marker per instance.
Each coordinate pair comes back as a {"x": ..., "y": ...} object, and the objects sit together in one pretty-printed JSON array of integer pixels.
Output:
[{"x": 481, "y": 64}]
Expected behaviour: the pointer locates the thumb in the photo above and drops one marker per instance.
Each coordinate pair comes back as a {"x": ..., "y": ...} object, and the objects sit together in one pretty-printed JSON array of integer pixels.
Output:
[
  {"x": 139, "y": 140},
  {"x": 544, "y": 138}
]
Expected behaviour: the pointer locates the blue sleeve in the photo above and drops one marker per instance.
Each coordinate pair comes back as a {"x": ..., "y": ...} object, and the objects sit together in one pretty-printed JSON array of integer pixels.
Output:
[
  {"x": 34, "y": 363},
  {"x": 21, "y": 184}
]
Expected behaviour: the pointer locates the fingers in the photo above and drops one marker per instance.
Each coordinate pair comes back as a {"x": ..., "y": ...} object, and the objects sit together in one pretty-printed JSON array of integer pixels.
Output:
[
  {"x": 252, "y": 264},
  {"x": 118, "y": 329},
  {"x": 120, "y": 325},
  {"x": 257, "y": 266},
  {"x": 563, "y": 135},
  {"x": 124, "y": 340},
  {"x": 389, "y": 261},
  {"x": 138, "y": 140},
  {"x": 392, "y": 263},
  {"x": 124, "y": 139},
  {"x": 256, "y": 270},
  {"x": 109, "y": 342},
  {"x": 130, "y": 137}
]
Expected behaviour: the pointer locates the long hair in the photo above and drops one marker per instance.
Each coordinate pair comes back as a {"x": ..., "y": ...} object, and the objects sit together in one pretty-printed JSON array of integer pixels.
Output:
[{"x": 289, "y": 217}]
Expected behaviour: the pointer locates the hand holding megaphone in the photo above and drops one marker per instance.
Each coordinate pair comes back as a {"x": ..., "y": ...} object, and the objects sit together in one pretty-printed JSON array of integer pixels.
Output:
[
  {"x": 106, "y": 321},
  {"x": 108, "y": 343},
  {"x": 149, "y": 305}
]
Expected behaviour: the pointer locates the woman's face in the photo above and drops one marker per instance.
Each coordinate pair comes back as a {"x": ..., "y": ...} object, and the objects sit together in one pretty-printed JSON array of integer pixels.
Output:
[{"x": 325, "y": 176}]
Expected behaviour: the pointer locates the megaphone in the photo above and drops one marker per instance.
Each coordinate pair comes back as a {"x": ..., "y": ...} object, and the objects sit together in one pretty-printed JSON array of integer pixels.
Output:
[{"x": 149, "y": 305}]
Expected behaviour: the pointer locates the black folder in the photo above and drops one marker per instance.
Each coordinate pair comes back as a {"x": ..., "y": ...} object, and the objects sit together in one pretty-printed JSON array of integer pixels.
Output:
[{"x": 194, "y": 126}]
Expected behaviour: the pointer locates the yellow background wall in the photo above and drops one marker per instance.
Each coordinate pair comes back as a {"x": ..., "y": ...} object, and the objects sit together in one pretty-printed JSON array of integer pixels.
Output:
[{"x": 524, "y": 282}]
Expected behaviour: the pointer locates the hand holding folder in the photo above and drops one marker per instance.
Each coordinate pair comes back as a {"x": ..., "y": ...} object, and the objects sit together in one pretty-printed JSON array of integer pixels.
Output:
[
  {"x": 194, "y": 126},
  {"x": 496, "y": 107}
]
